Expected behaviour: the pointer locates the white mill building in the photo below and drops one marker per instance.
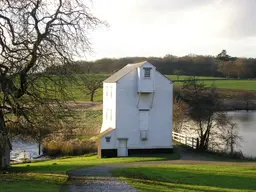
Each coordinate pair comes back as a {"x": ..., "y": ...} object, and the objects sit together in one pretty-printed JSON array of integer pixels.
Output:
[{"x": 137, "y": 112}]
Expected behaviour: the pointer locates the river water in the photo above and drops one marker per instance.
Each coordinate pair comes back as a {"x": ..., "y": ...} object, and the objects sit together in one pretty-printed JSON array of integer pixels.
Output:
[
  {"x": 22, "y": 149},
  {"x": 246, "y": 125}
]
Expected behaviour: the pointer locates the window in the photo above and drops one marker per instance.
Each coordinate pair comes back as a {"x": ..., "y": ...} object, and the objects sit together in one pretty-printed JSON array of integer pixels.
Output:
[
  {"x": 106, "y": 90},
  {"x": 108, "y": 139},
  {"x": 147, "y": 73},
  {"x": 110, "y": 92},
  {"x": 110, "y": 111},
  {"x": 106, "y": 114}
]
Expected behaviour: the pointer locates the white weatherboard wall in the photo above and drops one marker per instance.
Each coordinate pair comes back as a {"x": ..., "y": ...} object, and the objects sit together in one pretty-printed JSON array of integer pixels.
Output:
[
  {"x": 109, "y": 115},
  {"x": 146, "y": 84},
  {"x": 140, "y": 108},
  {"x": 159, "y": 117},
  {"x": 109, "y": 106}
]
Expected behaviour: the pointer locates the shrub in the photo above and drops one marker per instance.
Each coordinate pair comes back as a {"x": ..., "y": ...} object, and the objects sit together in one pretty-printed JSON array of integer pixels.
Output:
[{"x": 67, "y": 148}]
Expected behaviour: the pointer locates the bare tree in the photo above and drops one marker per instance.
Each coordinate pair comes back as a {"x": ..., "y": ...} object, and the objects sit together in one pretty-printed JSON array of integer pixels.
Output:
[
  {"x": 239, "y": 67},
  {"x": 92, "y": 83},
  {"x": 230, "y": 137},
  {"x": 204, "y": 110},
  {"x": 36, "y": 34},
  {"x": 180, "y": 114},
  {"x": 177, "y": 73}
]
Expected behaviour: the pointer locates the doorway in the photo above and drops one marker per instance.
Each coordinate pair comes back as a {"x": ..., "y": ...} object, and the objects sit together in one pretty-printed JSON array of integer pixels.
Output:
[{"x": 122, "y": 147}]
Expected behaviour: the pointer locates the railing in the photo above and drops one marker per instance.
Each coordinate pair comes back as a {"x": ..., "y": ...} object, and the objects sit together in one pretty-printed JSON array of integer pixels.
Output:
[{"x": 184, "y": 139}]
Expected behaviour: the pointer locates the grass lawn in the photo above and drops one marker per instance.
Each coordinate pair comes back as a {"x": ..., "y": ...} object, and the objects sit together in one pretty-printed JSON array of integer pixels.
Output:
[
  {"x": 249, "y": 85},
  {"x": 190, "y": 178},
  {"x": 31, "y": 182},
  {"x": 234, "y": 84},
  {"x": 48, "y": 175},
  {"x": 183, "y": 77}
]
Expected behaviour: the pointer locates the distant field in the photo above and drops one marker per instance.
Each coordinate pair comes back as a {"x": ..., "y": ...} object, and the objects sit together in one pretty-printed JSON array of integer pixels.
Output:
[
  {"x": 183, "y": 77},
  {"x": 76, "y": 90},
  {"x": 229, "y": 84}
]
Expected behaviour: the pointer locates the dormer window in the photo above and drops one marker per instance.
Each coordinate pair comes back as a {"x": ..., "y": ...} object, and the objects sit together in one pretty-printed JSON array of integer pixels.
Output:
[{"x": 147, "y": 71}]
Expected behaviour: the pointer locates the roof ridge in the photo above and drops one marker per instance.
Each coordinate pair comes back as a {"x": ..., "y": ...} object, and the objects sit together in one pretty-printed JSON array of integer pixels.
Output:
[{"x": 124, "y": 71}]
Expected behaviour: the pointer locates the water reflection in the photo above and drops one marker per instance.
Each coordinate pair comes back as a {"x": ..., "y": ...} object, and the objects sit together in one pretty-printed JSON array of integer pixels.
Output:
[{"x": 246, "y": 124}]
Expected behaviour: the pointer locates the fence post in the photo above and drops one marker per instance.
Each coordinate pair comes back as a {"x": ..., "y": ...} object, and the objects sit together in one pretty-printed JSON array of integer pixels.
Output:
[
  {"x": 186, "y": 140},
  {"x": 197, "y": 143},
  {"x": 193, "y": 142}
]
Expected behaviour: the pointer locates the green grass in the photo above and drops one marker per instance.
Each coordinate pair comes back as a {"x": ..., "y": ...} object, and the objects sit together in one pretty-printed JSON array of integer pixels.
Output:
[
  {"x": 190, "y": 178},
  {"x": 31, "y": 182},
  {"x": 51, "y": 174},
  {"x": 183, "y": 77},
  {"x": 234, "y": 84},
  {"x": 229, "y": 84}
]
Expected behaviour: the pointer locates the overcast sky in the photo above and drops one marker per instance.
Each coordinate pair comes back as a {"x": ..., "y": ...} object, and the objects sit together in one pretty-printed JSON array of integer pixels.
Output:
[{"x": 177, "y": 27}]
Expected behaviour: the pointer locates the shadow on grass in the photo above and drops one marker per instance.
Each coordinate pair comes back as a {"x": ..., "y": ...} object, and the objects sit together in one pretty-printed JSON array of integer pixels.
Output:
[
  {"x": 210, "y": 155},
  {"x": 180, "y": 176},
  {"x": 152, "y": 186}
]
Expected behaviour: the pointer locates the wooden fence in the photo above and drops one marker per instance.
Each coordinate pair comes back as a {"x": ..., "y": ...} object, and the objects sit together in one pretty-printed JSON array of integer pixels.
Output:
[{"x": 184, "y": 139}]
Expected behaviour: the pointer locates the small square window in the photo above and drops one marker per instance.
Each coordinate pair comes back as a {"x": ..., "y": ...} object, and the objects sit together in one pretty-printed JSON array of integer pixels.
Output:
[
  {"x": 106, "y": 90},
  {"x": 106, "y": 114},
  {"x": 147, "y": 73},
  {"x": 108, "y": 139},
  {"x": 110, "y": 92},
  {"x": 110, "y": 111}
]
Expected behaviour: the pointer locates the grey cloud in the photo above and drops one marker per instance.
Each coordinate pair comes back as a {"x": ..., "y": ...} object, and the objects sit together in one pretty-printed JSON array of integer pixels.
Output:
[
  {"x": 241, "y": 20},
  {"x": 150, "y": 11},
  {"x": 169, "y": 5}
]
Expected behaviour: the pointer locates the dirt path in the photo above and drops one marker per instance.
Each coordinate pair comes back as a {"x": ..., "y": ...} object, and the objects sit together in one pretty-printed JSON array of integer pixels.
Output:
[{"x": 99, "y": 178}]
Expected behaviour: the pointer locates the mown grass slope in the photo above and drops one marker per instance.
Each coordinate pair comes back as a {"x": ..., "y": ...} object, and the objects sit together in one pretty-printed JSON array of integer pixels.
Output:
[
  {"x": 191, "y": 178},
  {"x": 48, "y": 176}
]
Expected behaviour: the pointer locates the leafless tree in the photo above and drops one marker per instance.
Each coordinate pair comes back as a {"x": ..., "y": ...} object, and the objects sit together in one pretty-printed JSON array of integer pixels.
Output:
[
  {"x": 204, "y": 110},
  {"x": 92, "y": 83},
  {"x": 36, "y": 34},
  {"x": 180, "y": 114},
  {"x": 177, "y": 73},
  {"x": 229, "y": 136}
]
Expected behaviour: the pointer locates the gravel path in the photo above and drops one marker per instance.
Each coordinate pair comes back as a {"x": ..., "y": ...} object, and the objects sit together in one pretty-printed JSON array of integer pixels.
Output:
[{"x": 97, "y": 179}]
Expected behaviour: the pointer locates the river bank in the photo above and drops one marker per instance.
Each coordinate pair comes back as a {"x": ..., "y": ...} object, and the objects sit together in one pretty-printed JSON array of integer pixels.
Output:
[{"x": 236, "y": 104}]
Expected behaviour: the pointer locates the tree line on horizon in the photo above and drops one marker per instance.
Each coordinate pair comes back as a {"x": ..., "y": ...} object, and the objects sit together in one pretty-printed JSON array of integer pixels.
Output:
[{"x": 221, "y": 65}]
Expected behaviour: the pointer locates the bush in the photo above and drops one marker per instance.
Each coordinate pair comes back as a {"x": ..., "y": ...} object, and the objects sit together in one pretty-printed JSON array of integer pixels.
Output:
[{"x": 70, "y": 147}]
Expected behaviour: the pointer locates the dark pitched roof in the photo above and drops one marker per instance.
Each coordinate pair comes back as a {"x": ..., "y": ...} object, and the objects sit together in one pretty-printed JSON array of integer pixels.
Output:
[{"x": 124, "y": 71}]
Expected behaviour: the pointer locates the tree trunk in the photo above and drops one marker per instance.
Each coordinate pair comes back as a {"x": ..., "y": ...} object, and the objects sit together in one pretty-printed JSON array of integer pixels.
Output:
[
  {"x": 2, "y": 132},
  {"x": 231, "y": 142},
  {"x": 2, "y": 123},
  {"x": 39, "y": 147},
  {"x": 39, "y": 143},
  {"x": 92, "y": 95},
  {"x": 203, "y": 144}
]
